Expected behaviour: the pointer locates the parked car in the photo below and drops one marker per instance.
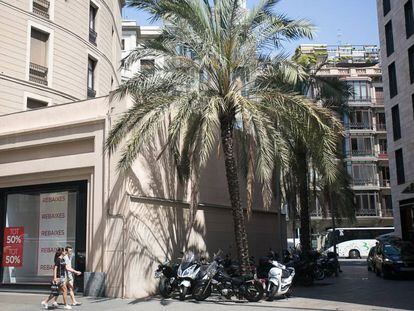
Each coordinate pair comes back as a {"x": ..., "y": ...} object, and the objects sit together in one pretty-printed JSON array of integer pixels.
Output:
[
  {"x": 393, "y": 257},
  {"x": 370, "y": 259}
]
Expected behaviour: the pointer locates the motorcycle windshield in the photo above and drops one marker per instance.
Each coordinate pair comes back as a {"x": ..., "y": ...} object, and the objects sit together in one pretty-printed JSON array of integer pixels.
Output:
[{"x": 187, "y": 260}]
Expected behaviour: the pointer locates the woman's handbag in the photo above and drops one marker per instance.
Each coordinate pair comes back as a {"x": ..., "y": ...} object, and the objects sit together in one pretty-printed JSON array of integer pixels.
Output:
[{"x": 54, "y": 289}]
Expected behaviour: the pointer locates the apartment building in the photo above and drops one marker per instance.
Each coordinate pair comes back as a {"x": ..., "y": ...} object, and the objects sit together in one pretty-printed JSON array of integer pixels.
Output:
[
  {"x": 396, "y": 28},
  {"x": 55, "y": 52},
  {"x": 365, "y": 139}
]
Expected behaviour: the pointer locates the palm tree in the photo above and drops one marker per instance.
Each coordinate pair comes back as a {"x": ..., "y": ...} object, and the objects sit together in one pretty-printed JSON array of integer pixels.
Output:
[
  {"x": 215, "y": 85},
  {"x": 309, "y": 159}
]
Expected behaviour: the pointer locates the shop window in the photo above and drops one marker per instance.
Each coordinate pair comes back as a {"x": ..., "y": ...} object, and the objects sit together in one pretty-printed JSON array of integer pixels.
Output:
[{"x": 46, "y": 217}]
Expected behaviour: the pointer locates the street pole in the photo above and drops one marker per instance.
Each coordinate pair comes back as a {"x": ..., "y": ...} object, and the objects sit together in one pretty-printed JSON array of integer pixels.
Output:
[{"x": 334, "y": 231}]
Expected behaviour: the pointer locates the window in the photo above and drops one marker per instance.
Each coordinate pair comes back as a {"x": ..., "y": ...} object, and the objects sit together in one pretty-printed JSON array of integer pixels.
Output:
[
  {"x": 41, "y": 8},
  {"x": 386, "y": 5},
  {"x": 382, "y": 146},
  {"x": 38, "y": 56},
  {"x": 91, "y": 77},
  {"x": 35, "y": 103},
  {"x": 389, "y": 38},
  {"x": 411, "y": 63},
  {"x": 396, "y": 127},
  {"x": 409, "y": 18},
  {"x": 412, "y": 103},
  {"x": 361, "y": 146},
  {"x": 364, "y": 174},
  {"x": 366, "y": 206},
  {"x": 147, "y": 64},
  {"x": 92, "y": 23},
  {"x": 360, "y": 119},
  {"x": 399, "y": 163},
  {"x": 123, "y": 44},
  {"x": 392, "y": 75},
  {"x": 361, "y": 90}
]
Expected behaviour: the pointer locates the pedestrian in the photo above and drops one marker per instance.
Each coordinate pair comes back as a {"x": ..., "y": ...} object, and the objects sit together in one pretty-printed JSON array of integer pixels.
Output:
[
  {"x": 59, "y": 279},
  {"x": 70, "y": 274}
]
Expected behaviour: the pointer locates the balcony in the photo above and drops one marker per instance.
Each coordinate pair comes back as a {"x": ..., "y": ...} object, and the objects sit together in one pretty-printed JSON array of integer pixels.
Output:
[
  {"x": 91, "y": 93},
  {"x": 41, "y": 8},
  {"x": 367, "y": 212},
  {"x": 358, "y": 126},
  {"x": 364, "y": 182},
  {"x": 38, "y": 74},
  {"x": 92, "y": 36},
  {"x": 384, "y": 183},
  {"x": 381, "y": 127},
  {"x": 386, "y": 212},
  {"x": 383, "y": 155},
  {"x": 379, "y": 101},
  {"x": 361, "y": 153}
]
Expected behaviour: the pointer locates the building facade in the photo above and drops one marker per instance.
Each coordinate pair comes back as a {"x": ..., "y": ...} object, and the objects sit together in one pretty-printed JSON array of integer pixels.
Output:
[
  {"x": 396, "y": 28},
  {"x": 59, "y": 186},
  {"x": 365, "y": 139},
  {"x": 55, "y": 52}
]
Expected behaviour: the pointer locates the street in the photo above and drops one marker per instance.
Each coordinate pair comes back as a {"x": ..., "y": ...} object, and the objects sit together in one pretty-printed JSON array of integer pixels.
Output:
[{"x": 355, "y": 289}]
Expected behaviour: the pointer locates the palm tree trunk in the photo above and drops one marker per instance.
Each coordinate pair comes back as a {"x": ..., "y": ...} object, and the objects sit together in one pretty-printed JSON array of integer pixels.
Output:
[
  {"x": 233, "y": 187},
  {"x": 302, "y": 175}
]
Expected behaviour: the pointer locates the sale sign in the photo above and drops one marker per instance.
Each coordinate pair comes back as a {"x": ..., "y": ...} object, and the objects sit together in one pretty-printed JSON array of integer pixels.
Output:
[
  {"x": 52, "y": 229},
  {"x": 13, "y": 247}
]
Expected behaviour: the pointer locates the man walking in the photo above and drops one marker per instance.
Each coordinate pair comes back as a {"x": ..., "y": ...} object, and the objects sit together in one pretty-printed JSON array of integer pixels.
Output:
[{"x": 70, "y": 274}]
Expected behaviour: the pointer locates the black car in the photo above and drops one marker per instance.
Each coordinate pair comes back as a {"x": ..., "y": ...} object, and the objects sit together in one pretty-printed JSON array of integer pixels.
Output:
[
  {"x": 370, "y": 259},
  {"x": 393, "y": 257}
]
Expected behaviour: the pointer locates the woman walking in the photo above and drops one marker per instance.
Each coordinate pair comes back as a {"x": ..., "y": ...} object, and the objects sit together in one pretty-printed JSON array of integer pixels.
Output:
[{"x": 59, "y": 278}]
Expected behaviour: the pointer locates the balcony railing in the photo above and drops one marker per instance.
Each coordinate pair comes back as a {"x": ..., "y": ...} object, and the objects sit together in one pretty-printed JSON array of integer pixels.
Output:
[
  {"x": 383, "y": 155},
  {"x": 41, "y": 7},
  {"x": 359, "y": 126},
  {"x": 381, "y": 127},
  {"x": 359, "y": 99},
  {"x": 379, "y": 101},
  {"x": 361, "y": 153},
  {"x": 91, "y": 93},
  {"x": 384, "y": 183},
  {"x": 38, "y": 74},
  {"x": 92, "y": 36},
  {"x": 386, "y": 212},
  {"x": 367, "y": 212},
  {"x": 365, "y": 182}
]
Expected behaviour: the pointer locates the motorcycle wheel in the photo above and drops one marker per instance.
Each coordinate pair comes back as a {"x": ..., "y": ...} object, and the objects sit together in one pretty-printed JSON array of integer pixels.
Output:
[
  {"x": 164, "y": 287},
  {"x": 183, "y": 293},
  {"x": 201, "y": 292},
  {"x": 271, "y": 294},
  {"x": 254, "y": 291},
  {"x": 318, "y": 274}
]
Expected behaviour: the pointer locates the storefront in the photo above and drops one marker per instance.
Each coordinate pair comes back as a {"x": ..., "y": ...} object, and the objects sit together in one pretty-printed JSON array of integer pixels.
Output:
[{"x": 34, "y": 222}]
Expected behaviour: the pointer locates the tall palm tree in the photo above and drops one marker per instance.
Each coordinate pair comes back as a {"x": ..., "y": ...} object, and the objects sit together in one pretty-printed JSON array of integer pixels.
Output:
[{"x": 215, "y": 86}]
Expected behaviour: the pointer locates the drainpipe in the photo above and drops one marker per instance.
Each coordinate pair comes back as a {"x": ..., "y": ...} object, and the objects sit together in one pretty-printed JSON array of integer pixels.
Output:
[{"x": 110, "y": 214}]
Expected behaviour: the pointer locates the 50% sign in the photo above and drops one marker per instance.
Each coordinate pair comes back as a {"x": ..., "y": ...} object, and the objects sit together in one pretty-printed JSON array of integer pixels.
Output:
[{"x": 13, "y": 247}]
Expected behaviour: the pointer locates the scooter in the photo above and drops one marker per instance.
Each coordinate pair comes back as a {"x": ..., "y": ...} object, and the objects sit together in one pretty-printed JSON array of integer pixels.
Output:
[
  {"x": 167, "y": 273},
  {"x": 187, "y": 274},
  {"x": 275, "y": 277}
]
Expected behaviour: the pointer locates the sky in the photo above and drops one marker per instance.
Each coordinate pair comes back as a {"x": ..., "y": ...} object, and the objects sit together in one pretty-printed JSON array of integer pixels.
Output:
[{"x": 337, "y": 21}]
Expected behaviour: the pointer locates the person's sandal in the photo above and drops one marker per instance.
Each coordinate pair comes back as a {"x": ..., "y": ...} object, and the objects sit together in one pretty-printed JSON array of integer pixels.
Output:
[{"x": 76, "y": 303}]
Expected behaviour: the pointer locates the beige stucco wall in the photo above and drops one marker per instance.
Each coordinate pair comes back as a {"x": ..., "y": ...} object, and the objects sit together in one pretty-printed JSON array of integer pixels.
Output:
[{"x": 68, "y": 51}]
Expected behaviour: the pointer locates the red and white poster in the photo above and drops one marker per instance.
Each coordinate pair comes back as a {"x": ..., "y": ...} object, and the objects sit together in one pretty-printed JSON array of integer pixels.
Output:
[
  {"x": 52, "y": 229},
  {"x": 13, "y": 247}
]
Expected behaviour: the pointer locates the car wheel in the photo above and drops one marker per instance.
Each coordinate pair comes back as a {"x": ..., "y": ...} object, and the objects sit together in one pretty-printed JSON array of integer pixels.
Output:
[{"x": 354, "y": 254}]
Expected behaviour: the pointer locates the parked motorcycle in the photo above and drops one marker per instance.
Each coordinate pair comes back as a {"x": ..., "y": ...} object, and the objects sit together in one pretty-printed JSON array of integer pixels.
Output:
[
  {"x": 329, "y": 264},
  {"x": 167, "y": 273},
  {"x": 216, "y": 279},
  {"x": 276, "y": 277},
  {"x": 187, "y": 274},
  {"x": 304, "y": 269}
]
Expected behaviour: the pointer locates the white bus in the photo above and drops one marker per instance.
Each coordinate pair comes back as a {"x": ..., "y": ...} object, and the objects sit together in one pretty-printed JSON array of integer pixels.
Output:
[{"x": 354, "y": 242}]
